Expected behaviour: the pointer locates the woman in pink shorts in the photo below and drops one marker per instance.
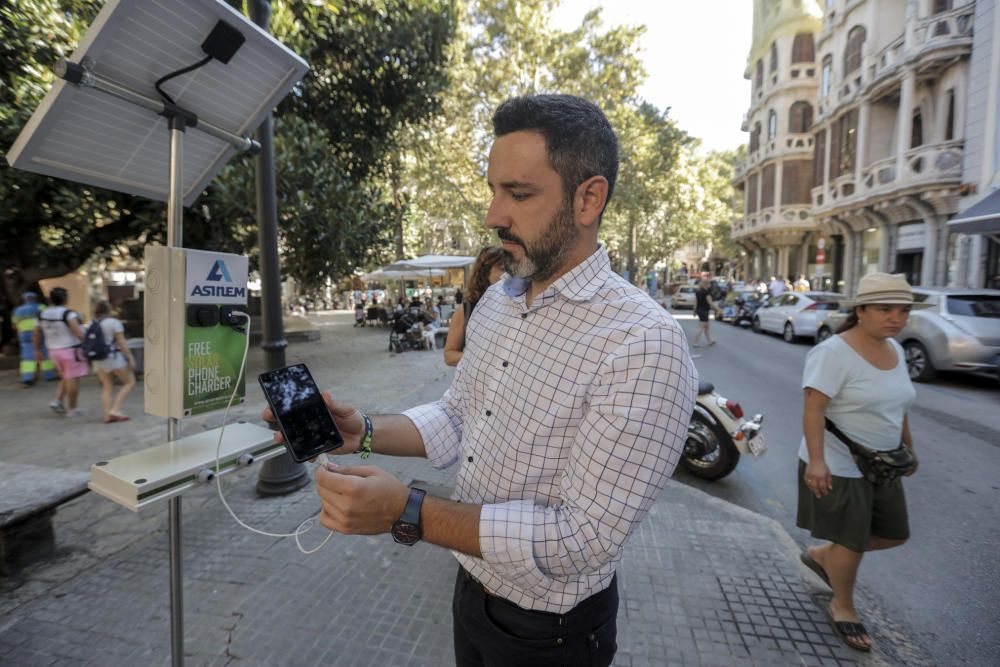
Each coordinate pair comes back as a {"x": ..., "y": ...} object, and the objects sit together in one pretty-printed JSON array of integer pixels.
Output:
[{"x": 62, "y": 331}]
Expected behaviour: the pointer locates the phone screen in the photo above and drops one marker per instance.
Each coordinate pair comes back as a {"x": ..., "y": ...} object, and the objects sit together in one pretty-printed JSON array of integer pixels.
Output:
[{"x": 300, "y": 412}]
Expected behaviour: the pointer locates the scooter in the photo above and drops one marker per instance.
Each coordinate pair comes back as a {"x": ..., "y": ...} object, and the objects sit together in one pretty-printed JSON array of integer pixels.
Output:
[{"x": 718, "y": 435}]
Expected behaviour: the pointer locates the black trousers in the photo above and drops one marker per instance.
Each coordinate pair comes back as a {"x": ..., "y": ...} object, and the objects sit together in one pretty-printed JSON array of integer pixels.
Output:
[{"x": 492, "y": 632}]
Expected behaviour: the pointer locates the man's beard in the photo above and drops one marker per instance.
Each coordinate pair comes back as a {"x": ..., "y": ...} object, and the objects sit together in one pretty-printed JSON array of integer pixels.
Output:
[{"x": 543, "y": 257}]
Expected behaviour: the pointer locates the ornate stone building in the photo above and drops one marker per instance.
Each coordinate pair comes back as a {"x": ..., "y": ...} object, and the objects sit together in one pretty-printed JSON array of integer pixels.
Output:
[{"x": 887, "y": 91}]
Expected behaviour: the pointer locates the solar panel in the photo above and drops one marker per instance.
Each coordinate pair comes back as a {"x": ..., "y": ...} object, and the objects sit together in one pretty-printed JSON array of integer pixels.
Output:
[{"x": 88, "y": 136}]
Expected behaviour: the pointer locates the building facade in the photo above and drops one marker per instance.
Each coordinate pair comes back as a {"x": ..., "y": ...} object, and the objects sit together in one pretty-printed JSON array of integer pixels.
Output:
[
  {"x": 775, "y": 177},
  {"x": 887, "y": 143}
]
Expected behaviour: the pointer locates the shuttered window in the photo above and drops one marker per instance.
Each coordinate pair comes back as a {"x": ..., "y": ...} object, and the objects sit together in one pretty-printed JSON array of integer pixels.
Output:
[
  {"x": 803, "y": 48},
  {"x": 796, "y": 182}
]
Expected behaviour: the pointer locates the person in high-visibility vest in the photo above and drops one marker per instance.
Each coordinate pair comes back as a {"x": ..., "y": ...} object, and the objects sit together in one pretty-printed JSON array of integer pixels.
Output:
[{"x": 25, "y": 319}]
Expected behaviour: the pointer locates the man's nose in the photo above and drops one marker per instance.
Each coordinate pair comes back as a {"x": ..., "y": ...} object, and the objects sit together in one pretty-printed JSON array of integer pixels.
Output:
[{"x": 496, "y": 218}]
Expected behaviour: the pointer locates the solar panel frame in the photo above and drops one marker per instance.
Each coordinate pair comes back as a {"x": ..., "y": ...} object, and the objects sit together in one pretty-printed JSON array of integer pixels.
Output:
[{"x": 88, "y": 136}]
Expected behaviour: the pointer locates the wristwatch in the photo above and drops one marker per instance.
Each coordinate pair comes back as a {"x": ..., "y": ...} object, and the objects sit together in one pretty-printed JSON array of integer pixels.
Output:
[{"x": 407, "y": 529}]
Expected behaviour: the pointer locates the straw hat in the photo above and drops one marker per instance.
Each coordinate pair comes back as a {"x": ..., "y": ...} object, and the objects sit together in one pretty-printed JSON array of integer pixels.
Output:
[{"x": 885, "y": 288}]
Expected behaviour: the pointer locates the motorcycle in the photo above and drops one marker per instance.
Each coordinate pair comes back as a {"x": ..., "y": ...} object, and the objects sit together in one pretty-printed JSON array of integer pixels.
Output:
[{"x": 718, "y": 435}]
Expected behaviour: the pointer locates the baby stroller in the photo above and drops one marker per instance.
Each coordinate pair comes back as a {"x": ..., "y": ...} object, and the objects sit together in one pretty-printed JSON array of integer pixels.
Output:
[{"x": 405, "y": 332}]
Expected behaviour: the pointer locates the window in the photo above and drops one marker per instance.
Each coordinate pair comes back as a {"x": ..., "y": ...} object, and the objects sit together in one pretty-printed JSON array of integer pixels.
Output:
[
  {"x": 827, "y": 76},
  {"x": 848, "y": 139},
  {"x": 774, "y": 57},
  {"x": 917, "y": 131},
  {"x": 795, "y": 182},
  {"x": 949, "y": 128},
  {"x": 940, "y": 6},
  {"x": 755, "y": 137},
  {"x": 759, "y": 78},
  {"x": 767, "y": 186},
  {"x": 852, "y": 54},
  {"x": 819, "y": 157},
  {"x": 800, "y": 118},
  {"x": 803, "y": 49},
  {"x": 772, "y": 124},
  {"x": 752, "y": 194}
]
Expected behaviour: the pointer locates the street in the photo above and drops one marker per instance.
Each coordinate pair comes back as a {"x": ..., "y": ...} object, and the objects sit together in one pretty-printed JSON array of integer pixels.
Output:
[{"x": 943, "y": 584}]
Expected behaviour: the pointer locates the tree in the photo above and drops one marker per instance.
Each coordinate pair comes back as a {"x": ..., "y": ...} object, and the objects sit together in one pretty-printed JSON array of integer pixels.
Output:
[
  {"x": 377, "y": 65},
  {"x": 504, "y": 49}
]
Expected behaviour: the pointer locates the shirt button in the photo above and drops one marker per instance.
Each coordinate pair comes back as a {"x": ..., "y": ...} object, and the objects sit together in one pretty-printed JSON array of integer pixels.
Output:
[
  {"x": 470, "y": 459},
  {"x": 488, "y": 413},
  {"x": 559, "y": 642}
]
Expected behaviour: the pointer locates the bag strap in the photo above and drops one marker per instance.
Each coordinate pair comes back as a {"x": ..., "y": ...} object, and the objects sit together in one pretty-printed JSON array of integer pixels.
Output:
[{"x": 851, "y": 445}]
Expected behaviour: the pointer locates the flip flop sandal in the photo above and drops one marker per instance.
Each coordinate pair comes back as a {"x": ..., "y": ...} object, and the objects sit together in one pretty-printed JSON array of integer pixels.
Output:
[
  {"x": 113, "y": 419},
  {"x": 850, "y": 632},
  {"x": 811, "y": 563}
]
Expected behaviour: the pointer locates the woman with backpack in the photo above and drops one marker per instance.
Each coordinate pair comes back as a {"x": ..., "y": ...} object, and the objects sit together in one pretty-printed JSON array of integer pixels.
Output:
[
  {"x": 119, "y": 363},
  {"x": 59, "y": 328},
  {"x": 486, "y": 271}
]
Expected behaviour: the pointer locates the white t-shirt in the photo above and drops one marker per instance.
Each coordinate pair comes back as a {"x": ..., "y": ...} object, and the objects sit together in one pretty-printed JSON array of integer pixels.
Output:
[
  {"x": 866, "y": 403},
  {"x": 109, "y": 327},
  {"x": 58, "y": 335}
]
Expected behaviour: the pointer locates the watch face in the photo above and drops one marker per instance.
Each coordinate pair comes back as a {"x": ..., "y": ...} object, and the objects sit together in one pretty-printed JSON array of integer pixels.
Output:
[{"x": 406, "y": 533}]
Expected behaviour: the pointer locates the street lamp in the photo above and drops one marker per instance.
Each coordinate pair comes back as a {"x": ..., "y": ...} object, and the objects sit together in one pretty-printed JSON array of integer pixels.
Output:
[{"x": 280, "y": 475}]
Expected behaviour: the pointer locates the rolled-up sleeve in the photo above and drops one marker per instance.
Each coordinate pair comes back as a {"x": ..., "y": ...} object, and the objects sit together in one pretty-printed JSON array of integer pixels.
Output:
[
  {"x": 624, "y": 451},
  {"x": 440, "y": 427}
]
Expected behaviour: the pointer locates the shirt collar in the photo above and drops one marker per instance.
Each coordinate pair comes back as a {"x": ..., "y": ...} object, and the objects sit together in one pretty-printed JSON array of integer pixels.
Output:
[{"x": 580, "y": 283}]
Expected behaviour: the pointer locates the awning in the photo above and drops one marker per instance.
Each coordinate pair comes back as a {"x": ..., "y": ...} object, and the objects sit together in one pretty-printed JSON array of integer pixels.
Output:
[
  {"x": 980, "y": 218},
  {"x": 431, "y": 262},
  {"x": 383, "y": 275}
]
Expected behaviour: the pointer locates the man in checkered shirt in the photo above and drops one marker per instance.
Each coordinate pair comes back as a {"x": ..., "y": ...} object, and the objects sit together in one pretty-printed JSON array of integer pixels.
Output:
[{"x": 567, "y": 413}]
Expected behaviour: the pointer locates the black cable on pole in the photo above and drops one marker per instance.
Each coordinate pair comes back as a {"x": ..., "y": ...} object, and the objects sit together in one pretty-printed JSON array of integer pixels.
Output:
[{"x": 183, "y": 70}]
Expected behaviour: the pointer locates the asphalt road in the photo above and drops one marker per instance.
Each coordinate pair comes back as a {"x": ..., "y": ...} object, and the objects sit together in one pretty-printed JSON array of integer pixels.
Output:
[{"x": 944, "y": 584}]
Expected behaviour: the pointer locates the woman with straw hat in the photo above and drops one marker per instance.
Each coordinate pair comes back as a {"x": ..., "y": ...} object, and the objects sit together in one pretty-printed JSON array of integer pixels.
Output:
[{"x": 858, "y": 381}]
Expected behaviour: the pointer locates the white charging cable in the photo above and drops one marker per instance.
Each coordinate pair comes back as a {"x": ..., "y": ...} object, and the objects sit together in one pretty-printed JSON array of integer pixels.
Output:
[{"x": 303, "y": 527}]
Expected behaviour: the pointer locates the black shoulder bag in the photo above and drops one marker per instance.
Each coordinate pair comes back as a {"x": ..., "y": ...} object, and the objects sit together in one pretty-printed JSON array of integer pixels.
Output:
[{"x": 878, "y": 467}]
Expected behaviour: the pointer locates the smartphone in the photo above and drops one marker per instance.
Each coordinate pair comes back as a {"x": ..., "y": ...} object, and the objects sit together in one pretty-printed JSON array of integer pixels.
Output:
[{"x": 300, "y": 412}]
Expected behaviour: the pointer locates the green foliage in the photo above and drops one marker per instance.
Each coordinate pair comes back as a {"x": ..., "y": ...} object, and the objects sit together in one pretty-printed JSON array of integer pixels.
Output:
[{"x": 376, "y": 66}]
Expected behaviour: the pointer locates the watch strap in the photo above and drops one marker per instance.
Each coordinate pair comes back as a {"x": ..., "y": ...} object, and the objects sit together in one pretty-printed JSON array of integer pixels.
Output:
[{"x": 411, "y": 513}]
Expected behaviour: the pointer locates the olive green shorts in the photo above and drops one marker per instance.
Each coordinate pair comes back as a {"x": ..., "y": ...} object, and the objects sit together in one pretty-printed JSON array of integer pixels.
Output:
[{"x": 853, "y": 511}]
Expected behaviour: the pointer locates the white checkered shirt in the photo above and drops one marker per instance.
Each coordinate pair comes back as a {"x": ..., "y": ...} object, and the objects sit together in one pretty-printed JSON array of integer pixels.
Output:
[{"x": 567, "y": 418}]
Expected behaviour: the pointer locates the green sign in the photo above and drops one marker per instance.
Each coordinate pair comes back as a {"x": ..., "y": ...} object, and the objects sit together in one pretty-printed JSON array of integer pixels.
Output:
[{"x": 212, "y": 359}]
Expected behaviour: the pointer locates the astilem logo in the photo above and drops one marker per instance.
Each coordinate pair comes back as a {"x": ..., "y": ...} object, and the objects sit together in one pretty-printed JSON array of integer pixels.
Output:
[{"x": 219, "y": 272}]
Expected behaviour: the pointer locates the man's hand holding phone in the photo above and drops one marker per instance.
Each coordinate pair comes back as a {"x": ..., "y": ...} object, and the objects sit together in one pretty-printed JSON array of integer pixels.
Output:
[{"x": 348, "y": 419}]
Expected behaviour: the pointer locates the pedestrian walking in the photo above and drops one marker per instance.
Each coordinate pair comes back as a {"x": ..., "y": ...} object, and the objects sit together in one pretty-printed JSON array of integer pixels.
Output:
[
  {"x": 703, "y": 306},
  {"x": 59, "y": 329},
  {"x": 486, "y": 271},
  {"x": 118, "y": 365},
  {"x": 857, "y": 393},
  {"x": 566, "y": 418},
  {"x": 25, "y": 320}
]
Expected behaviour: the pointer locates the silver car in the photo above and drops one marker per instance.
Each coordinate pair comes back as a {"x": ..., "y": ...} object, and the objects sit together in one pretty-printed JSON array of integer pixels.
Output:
[
  {"x": 961, "y": 332},
  {"x": 684, "y": 296},
  {"x": 795, "y": 314}
]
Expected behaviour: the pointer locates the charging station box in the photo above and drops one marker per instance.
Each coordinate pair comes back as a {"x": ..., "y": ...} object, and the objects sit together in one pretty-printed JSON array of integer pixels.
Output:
[{"x": 193, "y": 343}]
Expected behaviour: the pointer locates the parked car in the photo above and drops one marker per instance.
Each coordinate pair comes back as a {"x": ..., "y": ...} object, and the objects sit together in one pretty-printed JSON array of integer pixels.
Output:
[
  {"x": 684, "y": 297},
  {"x": 961, "y": 333},
  {"x": 830, "y": 322},
  {"x": 795, "y": 314}
]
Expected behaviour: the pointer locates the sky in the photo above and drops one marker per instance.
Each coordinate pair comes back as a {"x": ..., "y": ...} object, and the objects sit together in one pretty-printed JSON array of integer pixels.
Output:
[{"x": 694, "y": 53}]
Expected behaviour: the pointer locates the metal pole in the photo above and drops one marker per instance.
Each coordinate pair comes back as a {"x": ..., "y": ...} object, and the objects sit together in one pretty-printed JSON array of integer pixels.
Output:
[
  {"x": 279, "y": 475},
  {"x": 175, "y": 238}
]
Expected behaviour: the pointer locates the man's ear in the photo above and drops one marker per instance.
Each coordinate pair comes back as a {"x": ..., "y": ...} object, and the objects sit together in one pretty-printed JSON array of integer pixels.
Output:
[{"x": 591, "y": 196}]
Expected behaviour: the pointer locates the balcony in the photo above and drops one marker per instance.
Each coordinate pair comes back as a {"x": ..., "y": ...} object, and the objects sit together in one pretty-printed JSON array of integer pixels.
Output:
[
  {"x": 924, "y": 166},
  {"x": 884, "y": 66}
]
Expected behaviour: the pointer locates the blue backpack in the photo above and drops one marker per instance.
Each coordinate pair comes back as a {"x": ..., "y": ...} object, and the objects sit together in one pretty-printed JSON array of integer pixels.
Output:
[{"x": 94, "y": 347}]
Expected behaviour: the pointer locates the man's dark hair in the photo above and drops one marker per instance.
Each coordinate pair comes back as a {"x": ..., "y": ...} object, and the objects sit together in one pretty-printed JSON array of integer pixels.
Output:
[
  {"x": 580, "y": 141},
  {"x": 58, "y": 296}
]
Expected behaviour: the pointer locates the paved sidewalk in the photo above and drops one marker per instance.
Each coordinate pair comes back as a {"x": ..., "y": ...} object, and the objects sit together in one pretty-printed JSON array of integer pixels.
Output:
[{"x": 703, "y": 582}]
